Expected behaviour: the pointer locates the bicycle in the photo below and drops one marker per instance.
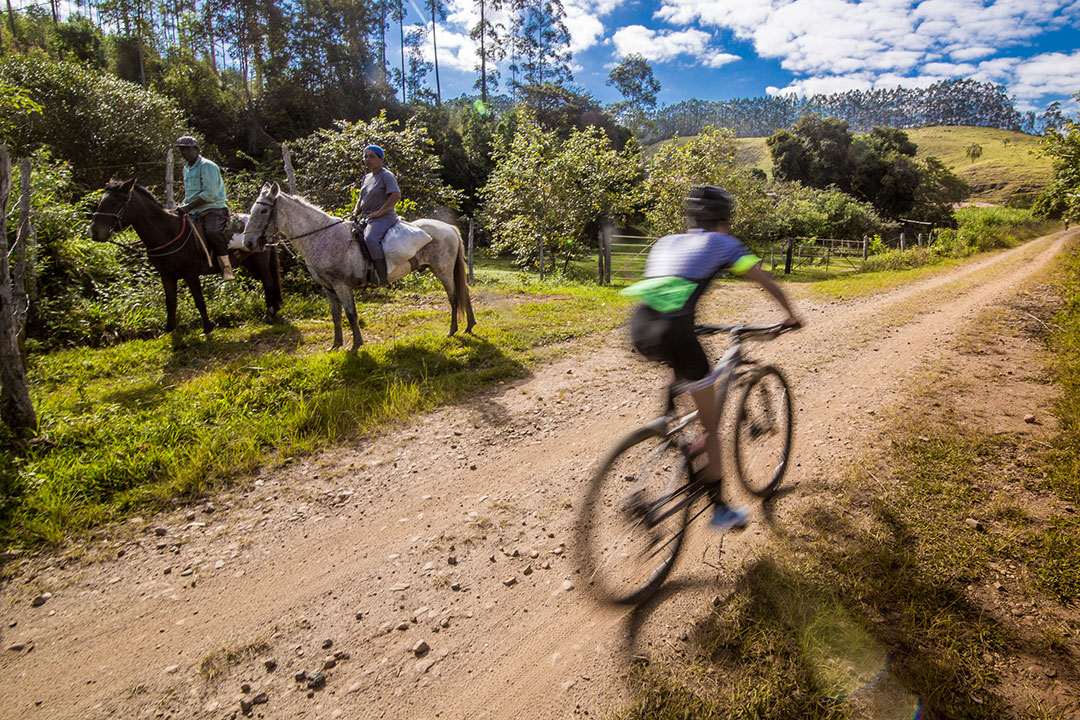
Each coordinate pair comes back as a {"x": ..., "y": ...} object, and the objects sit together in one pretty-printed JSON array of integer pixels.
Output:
[{"x": 638, "y": 505}]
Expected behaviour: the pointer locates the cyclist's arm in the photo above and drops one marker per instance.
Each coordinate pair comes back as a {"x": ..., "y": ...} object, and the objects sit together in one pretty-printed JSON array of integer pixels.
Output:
[{"x": 766, "y": 281}]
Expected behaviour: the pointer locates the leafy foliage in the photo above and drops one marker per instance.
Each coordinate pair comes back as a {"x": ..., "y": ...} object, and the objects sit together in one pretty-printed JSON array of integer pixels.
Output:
[
  {"x": 330, "y": 161},
  {"x": 1062, "y": 143},
  {"x": 544, "y": 191},
  {"x": 119, "y": 124},
  {"x": 879, "y": 167}
]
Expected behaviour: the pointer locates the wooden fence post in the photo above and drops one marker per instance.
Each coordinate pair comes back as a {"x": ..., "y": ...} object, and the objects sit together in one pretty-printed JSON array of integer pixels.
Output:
[
  {"x": 22, "y": 279},
  {"x": 865, "y": 247},
  {"x": 600, "y": 255},
  {"x": 920, "y": 239},
  {"x": 470, "y": 249},
  {"x": 607, "y": 252},
  {"x": 16, "y": 407},
  {"x": 788, "y": 255},
  {"x": 903, "y": 242},
  {"x": 290, "y": 180},
  {"x": 541, "y": 259},
  {"x": 170, "y": 201}
]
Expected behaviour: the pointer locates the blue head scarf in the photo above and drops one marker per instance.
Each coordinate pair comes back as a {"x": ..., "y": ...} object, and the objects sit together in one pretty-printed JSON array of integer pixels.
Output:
[{"x": 376, "y": 149}]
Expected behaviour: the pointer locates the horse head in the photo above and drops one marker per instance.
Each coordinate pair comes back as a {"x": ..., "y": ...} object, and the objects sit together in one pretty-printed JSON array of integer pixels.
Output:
[
  {"x": 262, "y": 218},
  {"x": 109, "y": 215}
]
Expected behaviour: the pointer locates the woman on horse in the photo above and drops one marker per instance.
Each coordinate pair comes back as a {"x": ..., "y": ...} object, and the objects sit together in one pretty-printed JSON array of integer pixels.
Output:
[{"x": 378, "y": 195}]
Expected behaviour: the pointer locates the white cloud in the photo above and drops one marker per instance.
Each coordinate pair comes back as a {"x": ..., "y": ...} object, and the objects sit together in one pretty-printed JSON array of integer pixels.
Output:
[
  {"x": 835, "y": 45},
  {"x": 667, "y": 45}
]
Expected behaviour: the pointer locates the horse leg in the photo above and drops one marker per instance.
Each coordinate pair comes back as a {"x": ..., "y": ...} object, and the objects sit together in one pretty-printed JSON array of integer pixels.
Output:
[
  {"x": 195, "y": 286},
  {"x": 345, "y": 297},
  {"x": 169, "y": 284},
  {"x": 261, "y": 263},
  {"x": 447, "y": 281},
  {"x": 335, "y": 313}
]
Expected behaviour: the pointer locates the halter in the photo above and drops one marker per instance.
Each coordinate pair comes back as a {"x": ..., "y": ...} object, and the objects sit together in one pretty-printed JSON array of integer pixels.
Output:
[
  {"x": 288, "y": 238},
  {"x": 118, "y": 216}
]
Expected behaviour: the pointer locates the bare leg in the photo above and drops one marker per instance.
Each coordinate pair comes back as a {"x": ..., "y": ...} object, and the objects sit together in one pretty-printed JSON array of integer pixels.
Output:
[
  {"x": 705, "y": 399},
  {"x": 335, "y": 313},
  {"x": 195, "y": 286},
  {"x": 169, "y": 284}
]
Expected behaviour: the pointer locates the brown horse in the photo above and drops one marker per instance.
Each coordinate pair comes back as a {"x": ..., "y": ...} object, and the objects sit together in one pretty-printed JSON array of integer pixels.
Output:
[{"x": 175, "y": 248}]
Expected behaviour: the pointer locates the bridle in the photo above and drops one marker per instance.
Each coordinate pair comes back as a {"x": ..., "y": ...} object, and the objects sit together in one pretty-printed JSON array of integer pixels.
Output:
[
  {"x": 118, "y": 224},
  {"x": 118, "y": 216},
  {"x": 273, "y": 209}
]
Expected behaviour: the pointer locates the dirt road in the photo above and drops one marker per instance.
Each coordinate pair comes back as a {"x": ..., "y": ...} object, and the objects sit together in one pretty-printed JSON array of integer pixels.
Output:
[{"x": 427, "y": 573}]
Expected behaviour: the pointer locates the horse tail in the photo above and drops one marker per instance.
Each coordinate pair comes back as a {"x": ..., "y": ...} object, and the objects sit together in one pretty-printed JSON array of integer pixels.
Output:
[{"x": 461, "y": 282}]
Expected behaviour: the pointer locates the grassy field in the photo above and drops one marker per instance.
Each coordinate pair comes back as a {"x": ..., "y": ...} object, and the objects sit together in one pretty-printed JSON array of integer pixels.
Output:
[{"x": 1007, "y": 166}]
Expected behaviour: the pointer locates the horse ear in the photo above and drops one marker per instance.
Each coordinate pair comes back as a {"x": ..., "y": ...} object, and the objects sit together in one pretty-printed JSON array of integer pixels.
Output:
[
  {"x": 265, "y": 188},
  {"x": 128, "y": 185},
  {"x": 276, "y": 190}
]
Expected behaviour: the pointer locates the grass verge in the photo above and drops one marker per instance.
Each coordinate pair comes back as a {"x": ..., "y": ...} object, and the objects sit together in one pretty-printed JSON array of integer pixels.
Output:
[
  {"x": 938, "y": 578},
  {"x": 142, "y": 424}
]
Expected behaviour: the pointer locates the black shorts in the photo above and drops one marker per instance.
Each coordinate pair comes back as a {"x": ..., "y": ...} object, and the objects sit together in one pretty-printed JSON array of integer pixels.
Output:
[{"x": 670, "y": 340}]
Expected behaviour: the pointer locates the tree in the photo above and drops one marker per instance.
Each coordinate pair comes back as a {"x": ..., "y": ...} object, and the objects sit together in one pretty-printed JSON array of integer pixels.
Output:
[
  {"x": 419, "y": 67},
  {"x": 814, "y": 152},
  {"x": 330, "y": 161},
  {"x": 1062, "y": 143},
  {"x": 546, "y": 192},
  {"x": 634, "y": 80},
  {"x": 438, "y": 12},
  {"x": 973, "y": 152},
  {"x": 16, "y": 407},
  {"x": 541, "y": 44},
  {"x": 491, "y": 48}
]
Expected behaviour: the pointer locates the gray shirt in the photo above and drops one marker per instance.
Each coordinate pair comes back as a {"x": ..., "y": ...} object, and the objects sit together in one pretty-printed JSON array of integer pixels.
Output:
[{"x": 375, "y": 190}]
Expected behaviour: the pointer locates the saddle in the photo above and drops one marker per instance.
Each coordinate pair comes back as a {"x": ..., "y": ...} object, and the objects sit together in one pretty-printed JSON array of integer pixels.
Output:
[{"x": 357, "y": 228}]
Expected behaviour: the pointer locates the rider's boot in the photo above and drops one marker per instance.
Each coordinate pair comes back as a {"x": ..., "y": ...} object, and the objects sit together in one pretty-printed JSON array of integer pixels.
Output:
[
  {"x": 380, "y": 271},
  {"x": 226, "y": 267}
]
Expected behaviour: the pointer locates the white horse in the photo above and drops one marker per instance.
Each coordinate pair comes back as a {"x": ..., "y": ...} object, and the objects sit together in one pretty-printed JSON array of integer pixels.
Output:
[{"x": 338, "y": 265}]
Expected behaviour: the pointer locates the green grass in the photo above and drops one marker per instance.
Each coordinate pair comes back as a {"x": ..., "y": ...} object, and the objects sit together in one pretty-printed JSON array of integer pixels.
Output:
[
  {"x": 1008, "y": 165},
  {"x": 1006, "y": 168},
  {"x": 138, "y": 425}
]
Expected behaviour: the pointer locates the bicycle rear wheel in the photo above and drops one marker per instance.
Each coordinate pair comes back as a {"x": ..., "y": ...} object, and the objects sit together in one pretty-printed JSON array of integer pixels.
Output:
[
  {"x": 634, "y": 516},
  {"x": 763, "y": 430}
]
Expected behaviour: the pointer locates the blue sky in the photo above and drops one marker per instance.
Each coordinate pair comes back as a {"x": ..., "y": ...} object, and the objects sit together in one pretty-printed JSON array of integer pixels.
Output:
[{"x": 719, "y": 49}]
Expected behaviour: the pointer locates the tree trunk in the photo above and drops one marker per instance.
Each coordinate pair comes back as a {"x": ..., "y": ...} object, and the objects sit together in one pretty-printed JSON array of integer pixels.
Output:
[
  {"x": 21, "y": 291},
  {"x": 401, "y": 33},
  {"x": 11, "y": 19},
  {"x": 16, "y": 408},
  {"x": 483, "y": 55},
  {"x": 435, "y": 51}
]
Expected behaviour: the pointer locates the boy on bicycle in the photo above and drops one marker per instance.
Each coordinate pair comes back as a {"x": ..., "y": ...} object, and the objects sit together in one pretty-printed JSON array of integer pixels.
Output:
[{"x": 678, "y": 271}]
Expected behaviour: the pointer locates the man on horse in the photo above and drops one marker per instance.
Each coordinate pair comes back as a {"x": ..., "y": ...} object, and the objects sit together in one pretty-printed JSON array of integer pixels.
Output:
[
  {"x": 378, "y": 195},
  {"x": 204, "y": 200}
]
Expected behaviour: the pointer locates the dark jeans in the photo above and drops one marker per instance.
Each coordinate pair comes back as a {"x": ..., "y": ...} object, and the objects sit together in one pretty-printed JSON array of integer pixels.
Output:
[{"x": 214, "y": 224}]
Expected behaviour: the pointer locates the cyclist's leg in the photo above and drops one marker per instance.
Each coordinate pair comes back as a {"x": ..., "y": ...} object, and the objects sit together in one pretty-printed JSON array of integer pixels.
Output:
[{"x": 705, "y": 399}]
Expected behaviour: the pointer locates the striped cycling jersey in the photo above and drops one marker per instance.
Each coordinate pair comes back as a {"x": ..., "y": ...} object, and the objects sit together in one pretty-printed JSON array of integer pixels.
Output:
[{"x": 680, "y": 267}]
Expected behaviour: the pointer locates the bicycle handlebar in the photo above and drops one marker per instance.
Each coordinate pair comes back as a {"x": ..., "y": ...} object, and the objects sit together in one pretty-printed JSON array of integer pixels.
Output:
[{"x": 742, "y": 330}]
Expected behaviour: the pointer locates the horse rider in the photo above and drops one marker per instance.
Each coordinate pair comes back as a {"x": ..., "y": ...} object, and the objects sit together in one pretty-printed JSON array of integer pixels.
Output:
[
  {"x": 204, "y": 200},
  {"x": 378, "y": 194}
]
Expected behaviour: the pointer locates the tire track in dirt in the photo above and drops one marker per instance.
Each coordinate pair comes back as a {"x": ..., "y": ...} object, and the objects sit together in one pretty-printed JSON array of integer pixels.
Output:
[{"x": 371, "y": 528}]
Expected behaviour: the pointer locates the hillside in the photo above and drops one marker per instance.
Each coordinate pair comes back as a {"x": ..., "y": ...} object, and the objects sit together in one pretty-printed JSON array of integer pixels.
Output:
[{"x": 1008, "y": 164}]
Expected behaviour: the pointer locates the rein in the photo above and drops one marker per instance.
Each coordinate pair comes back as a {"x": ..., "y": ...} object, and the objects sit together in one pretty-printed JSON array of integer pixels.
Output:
[
  {"x": 290, "y": 238},
  {"x": 118, "y": 222}
]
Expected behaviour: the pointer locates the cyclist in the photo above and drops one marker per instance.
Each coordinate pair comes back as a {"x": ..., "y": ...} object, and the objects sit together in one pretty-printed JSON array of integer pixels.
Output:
[{"x": 678, "y": 271}]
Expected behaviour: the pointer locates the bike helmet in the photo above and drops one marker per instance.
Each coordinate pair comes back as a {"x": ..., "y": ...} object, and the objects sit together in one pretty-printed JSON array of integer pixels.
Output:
[{"x": 707, "y": 205}]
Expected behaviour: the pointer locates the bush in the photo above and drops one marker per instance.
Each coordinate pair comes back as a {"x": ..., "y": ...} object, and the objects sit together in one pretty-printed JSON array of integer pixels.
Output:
[
  {"x": 105, "y": 125},
  {"x": 901, "y": 259},
  {"x": 330, "y": 161},
  {"x": 547, "y": 190}
]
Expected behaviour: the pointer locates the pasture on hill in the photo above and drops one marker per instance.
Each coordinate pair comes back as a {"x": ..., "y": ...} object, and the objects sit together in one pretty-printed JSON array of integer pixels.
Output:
[{"x": 1008, "y": 164}]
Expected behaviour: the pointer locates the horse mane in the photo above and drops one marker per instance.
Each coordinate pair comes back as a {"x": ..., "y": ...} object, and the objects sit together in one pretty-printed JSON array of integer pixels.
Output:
[{"x": 117, "y": 185}]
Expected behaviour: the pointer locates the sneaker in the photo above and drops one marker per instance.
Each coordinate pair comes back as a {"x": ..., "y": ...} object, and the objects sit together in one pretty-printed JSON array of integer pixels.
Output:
[{"x": 725, "y": 518}]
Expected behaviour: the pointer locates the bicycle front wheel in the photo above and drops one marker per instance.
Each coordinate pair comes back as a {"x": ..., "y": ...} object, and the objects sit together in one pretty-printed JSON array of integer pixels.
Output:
[
  {"x": 634, "y": 516},
  {"x": 763, "y": 431}
]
